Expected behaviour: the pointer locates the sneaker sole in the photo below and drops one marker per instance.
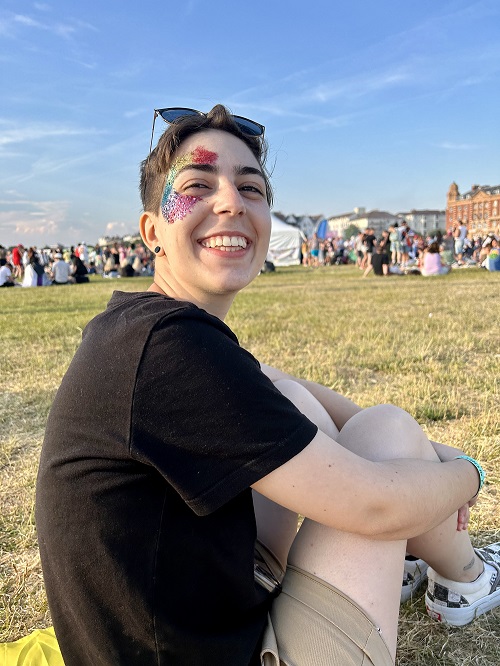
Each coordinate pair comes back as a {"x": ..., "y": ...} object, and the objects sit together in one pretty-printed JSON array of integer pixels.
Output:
[{"x": 459, "y": 617}]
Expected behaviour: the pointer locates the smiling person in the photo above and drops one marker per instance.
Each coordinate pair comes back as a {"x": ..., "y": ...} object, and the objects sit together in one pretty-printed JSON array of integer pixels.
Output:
[{"x": 174, "y": 465}]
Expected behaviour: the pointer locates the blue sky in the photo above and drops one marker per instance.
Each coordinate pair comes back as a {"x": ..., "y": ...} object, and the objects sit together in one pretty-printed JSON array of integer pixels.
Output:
[{"x": 375, "y": 104}]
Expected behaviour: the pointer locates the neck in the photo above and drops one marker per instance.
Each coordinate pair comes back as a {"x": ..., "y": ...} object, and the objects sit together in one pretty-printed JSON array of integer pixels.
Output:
[{"x": 217, "y": 305}]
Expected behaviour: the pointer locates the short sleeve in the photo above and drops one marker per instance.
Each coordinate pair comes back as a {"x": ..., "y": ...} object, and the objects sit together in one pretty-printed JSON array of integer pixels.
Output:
[{"x": 205, "y": 415}]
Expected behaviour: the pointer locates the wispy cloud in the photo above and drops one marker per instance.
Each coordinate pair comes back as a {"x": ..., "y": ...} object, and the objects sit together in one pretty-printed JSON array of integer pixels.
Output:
[
  {"x": 354, "y": 87},
  {"x": 36, "y": 132},
  {"x": 60, "y": 29},
  {"x": 26, "y": 219},
  {"x": 11, "y": 24},
  {"x": 133, "y": 113},
  {"x": 448, "y": 145},
  {"x": 46, "y": 163},
  {"x": 116, "y": 228},
  {"x": 418, "y": 60},
  {"x": 328, "y": 103}
]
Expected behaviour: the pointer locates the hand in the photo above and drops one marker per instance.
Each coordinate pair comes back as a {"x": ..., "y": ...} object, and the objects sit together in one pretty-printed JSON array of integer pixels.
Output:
[
  {"x": 446, "y": 453},
  {"x": 463, "y": 514},
  {"x": 463, "y": 518}
]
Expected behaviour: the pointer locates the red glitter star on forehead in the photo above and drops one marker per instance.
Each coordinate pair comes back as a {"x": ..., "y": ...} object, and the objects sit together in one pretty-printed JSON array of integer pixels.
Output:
[{"x": 201, "y": 155}]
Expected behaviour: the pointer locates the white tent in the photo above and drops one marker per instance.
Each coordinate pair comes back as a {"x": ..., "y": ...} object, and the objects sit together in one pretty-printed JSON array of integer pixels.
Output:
[{"x": 284, "y": 246}]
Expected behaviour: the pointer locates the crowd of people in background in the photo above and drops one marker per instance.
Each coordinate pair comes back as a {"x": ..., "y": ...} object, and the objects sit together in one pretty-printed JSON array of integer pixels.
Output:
[
  {"x": 34, "y": 267},
  {"x": 399, "y": 250}
]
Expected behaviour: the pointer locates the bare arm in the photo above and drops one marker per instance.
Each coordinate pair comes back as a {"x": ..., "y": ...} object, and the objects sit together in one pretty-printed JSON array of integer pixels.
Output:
[
  {"x": 339, "y": 408},
  {"x": 446, "y": 453},
  {"x": 331, "y": 485}
]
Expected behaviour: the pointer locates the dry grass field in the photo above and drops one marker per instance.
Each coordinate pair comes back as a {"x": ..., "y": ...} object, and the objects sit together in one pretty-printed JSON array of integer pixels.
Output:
[{"x": 429, "y": 345}]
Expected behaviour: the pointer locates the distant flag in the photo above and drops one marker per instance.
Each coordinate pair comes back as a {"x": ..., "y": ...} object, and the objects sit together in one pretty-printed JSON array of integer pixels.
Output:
[{"x": 322, "y": 229}]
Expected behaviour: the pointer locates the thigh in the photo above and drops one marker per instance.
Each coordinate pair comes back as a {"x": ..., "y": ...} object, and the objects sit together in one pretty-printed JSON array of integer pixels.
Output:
[
  {"x": 368, "y": 571},
  {"x": 314, "y": 624}
]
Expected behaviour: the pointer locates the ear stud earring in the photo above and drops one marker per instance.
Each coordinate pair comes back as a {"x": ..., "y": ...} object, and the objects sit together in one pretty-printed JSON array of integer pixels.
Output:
[{"x": 157, "y": 249}]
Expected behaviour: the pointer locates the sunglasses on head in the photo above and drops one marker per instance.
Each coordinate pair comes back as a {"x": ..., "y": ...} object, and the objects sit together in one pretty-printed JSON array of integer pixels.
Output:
[{"x": 172, "y": 114}]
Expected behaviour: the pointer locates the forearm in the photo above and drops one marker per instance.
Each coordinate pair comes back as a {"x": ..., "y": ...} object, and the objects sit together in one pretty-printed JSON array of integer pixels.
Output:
[
  {"x": 421, "y": 495},
  {"x": 390, "y": 500},
  {"x": 339, "y": 408}
]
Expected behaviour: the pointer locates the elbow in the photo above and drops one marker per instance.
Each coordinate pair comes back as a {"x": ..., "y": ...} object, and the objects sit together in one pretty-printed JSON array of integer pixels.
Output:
[{"x": 385, "y": 523}]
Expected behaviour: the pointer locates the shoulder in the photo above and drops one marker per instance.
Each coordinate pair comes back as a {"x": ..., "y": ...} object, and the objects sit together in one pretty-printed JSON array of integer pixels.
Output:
[{"x": 162, "y": 319}]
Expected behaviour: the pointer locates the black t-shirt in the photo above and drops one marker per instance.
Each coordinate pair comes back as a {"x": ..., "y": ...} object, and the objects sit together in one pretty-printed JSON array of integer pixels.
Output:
[
  {"x": 378, "y": 260},
  {"x": 80, "y": 268},
  {"x": 370, "y": 242},
  {"x": 144, "y": 512}
]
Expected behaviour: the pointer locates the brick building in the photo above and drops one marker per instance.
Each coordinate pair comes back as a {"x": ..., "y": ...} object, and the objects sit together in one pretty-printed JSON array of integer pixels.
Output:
[{"x": 479, "y": 209}]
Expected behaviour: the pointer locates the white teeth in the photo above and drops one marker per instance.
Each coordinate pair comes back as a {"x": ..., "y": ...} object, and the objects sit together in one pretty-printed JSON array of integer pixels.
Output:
[{"x": 231, "y": 243}]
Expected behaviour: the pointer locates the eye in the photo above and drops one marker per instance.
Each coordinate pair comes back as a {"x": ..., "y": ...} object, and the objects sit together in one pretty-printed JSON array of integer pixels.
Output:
[
  {"x": 252, "y": 189},
  {"x": 194, "y": 185}
]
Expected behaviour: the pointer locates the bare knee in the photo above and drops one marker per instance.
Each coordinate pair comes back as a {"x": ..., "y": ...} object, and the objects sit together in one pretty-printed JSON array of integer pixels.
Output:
[
  {"x": 386, "y": 432},
  {"x": 308, "y": 405}
]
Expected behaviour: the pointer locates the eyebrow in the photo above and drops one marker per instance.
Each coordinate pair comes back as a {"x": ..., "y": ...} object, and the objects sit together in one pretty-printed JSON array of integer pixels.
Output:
[
  {"x": 248, "y": 171},
  {"x": 211, "y": 168}
]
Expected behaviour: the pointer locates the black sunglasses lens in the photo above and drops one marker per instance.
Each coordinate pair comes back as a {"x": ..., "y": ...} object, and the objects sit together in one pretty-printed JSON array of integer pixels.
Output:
[
  {"x": 171, "y": 115},
  {"x": 249, "y": 126},
  {"x": 246, "y": 125}
]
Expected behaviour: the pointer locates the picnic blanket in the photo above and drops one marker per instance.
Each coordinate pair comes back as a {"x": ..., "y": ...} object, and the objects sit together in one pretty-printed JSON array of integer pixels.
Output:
[{"x": 40, "y": 648}]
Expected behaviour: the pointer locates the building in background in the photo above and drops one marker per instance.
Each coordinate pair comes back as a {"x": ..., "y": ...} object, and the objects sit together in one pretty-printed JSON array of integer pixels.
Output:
[
  {"x": 378, "y": 220},
  {"x": 478, "y": 209},
  {"x": 306, "y": 223},
  {"x": 425, "y": 222},
  {"x": 337, "y": 224}
]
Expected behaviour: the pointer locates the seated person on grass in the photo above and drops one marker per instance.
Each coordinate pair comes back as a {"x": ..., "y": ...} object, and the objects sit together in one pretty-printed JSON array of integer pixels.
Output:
[
  {"x": 379, "y": 262},
  {"x": 169, "y": 484},
  {"x": 431, "y": 262},
  {"x": 5, "y": 274}
]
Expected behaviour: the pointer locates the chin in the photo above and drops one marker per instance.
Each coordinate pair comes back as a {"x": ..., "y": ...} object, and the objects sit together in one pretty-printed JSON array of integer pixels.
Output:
[{"x": 235, "y": 283}]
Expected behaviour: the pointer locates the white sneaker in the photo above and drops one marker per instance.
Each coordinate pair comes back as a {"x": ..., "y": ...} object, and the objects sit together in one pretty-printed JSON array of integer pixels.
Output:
[
  {"x": 415, "y": 572},
  {"x": 458, "y": 604}
]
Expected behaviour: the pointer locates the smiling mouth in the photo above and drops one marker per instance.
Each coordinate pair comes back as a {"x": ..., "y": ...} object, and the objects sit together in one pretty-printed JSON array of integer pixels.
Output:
[{"x": 226, "y": 243}]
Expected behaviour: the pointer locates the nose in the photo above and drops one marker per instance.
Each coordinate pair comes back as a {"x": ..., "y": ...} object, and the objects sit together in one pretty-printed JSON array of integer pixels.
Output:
[{"x": 229, "y": 200}]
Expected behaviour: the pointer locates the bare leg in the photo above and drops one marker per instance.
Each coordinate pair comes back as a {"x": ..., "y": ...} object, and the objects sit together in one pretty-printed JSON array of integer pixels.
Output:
[
  {"x": 277, "y": 526},
  {"x": 370, "y": 571}
]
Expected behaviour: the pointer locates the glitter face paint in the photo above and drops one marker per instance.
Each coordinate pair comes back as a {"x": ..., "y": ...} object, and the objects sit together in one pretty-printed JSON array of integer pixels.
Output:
[{"x": 175, "y": 206}]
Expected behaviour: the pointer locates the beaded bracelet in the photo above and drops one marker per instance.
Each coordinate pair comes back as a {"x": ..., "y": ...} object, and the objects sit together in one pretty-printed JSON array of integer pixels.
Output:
[{"x": 480, "y": 470}]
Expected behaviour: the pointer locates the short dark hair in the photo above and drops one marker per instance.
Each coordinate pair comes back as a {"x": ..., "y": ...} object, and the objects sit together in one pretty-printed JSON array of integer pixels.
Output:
[{"x": 155, "y": 167}]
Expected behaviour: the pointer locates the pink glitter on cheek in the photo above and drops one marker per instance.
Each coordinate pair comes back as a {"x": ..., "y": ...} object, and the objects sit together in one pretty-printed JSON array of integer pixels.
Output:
[{"x": 177, "y": 206}]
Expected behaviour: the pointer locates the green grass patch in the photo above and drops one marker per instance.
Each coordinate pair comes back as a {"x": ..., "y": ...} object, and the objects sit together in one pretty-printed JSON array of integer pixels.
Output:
[{"x": 429, "y": 345}]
